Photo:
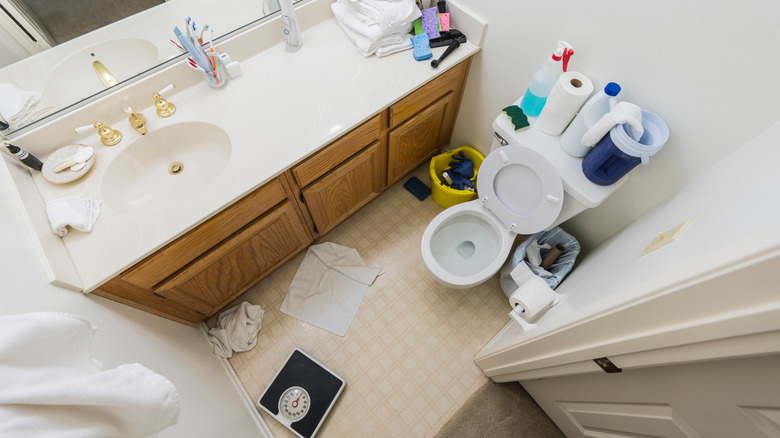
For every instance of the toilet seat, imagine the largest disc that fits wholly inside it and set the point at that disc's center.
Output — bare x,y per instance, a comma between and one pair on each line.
521,188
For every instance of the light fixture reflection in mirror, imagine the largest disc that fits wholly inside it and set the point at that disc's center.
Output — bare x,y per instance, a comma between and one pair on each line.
41,51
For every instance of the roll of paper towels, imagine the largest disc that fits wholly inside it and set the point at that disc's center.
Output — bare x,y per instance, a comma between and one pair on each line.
567,96
533,296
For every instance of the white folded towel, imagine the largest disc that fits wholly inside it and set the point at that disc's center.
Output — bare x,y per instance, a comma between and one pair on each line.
388,49
623,112
236,329
16,104
370,38
50,386
388,14
80,212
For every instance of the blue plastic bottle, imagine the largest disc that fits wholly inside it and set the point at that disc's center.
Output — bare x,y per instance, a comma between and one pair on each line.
544,80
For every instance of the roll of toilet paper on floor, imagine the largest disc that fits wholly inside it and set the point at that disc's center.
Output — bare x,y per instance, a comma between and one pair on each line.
533,296
567,96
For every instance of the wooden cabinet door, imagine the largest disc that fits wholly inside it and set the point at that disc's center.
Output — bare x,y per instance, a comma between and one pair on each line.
350,186
419,138
222,274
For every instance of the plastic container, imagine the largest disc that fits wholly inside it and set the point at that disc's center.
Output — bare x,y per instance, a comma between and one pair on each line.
617,153
590,113
443,195
544,79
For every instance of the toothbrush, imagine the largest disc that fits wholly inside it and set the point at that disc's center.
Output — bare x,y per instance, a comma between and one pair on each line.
292,32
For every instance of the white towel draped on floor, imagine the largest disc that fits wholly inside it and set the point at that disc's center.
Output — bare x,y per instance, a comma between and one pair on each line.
50,385
328,287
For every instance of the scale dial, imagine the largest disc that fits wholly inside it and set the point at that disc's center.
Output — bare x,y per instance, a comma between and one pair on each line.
294,403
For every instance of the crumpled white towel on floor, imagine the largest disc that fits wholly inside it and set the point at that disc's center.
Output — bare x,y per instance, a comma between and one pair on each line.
328,287
51,386
236,329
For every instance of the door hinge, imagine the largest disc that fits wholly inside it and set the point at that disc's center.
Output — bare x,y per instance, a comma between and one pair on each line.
607,365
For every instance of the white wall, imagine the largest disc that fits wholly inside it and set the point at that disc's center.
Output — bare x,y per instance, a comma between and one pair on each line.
706,67
732,200
211,406
10,50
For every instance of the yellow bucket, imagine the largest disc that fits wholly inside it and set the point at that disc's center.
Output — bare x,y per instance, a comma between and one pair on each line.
446,196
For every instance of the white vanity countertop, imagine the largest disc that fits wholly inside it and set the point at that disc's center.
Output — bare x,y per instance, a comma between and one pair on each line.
284,107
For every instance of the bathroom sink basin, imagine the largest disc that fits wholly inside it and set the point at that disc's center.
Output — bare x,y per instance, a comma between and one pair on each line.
166,167
74,78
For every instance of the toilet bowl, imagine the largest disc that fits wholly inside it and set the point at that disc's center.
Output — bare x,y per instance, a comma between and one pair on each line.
528,185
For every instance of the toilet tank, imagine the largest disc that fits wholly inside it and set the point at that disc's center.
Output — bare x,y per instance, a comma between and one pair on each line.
579,192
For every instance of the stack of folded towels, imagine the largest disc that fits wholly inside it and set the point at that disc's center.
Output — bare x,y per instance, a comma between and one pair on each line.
16,105
378,27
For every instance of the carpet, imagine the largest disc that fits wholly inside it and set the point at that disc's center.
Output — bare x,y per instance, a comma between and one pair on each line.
500,410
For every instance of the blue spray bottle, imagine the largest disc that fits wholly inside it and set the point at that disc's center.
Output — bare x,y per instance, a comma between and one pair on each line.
544,80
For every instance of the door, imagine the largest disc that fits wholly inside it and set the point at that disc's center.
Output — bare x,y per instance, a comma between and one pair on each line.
718,399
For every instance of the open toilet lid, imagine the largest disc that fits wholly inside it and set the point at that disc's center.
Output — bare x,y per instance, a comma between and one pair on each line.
520,187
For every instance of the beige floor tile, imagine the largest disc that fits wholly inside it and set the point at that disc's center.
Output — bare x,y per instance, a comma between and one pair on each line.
408,355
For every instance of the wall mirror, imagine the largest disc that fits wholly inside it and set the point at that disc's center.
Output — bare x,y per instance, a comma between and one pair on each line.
48,48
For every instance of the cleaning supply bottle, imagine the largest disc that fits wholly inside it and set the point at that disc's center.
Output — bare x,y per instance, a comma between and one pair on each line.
544,79
590,113
25,157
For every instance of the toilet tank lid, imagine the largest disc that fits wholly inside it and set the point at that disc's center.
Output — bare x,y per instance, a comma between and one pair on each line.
569,168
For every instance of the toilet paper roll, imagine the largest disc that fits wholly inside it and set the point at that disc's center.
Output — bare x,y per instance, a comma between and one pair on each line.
533,296
567,96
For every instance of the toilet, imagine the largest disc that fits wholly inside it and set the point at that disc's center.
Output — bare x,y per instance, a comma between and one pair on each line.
526,184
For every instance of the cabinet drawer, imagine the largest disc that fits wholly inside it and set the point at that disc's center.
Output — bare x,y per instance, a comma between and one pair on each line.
177,254
342,192
338,151
221,275
451,81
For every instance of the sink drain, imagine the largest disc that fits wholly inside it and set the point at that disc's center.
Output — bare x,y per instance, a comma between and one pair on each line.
175,168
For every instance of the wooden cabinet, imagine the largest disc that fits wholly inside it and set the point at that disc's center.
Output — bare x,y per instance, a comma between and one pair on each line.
197,274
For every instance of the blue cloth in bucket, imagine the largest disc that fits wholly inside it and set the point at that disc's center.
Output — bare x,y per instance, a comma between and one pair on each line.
559,269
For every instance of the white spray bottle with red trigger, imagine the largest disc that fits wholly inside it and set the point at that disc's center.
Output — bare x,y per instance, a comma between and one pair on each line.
544,80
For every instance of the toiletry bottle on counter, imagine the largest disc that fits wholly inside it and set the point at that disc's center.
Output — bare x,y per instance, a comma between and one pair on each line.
544,79
590,113
25,157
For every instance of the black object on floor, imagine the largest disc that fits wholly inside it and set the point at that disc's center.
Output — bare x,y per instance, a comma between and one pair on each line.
301,394
417,188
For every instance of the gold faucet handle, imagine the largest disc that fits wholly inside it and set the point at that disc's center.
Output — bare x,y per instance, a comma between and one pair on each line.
164,108
108,136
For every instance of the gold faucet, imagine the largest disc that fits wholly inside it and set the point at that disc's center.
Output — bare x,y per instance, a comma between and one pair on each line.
137,120
108,136
105,76
164,108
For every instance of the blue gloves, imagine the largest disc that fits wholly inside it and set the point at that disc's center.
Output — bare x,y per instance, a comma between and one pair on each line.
460,172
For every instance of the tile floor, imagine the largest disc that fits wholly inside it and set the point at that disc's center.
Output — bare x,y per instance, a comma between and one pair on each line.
408,356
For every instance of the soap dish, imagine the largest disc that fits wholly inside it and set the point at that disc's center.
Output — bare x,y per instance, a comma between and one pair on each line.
67,175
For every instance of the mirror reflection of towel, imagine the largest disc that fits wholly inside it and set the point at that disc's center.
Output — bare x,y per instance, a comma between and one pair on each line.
328,287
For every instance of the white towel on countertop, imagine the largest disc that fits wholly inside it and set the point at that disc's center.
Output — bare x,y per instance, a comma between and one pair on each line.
623,112
388,13
389,49
369,38
236,329
16,104
80,212
51,386
328,287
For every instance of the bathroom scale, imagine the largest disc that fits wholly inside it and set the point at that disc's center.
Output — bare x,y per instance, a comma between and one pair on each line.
302,394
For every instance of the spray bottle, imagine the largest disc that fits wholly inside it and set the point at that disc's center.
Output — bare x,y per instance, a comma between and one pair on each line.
544,80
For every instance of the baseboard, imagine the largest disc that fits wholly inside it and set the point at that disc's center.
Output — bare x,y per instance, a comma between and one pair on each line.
262,427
